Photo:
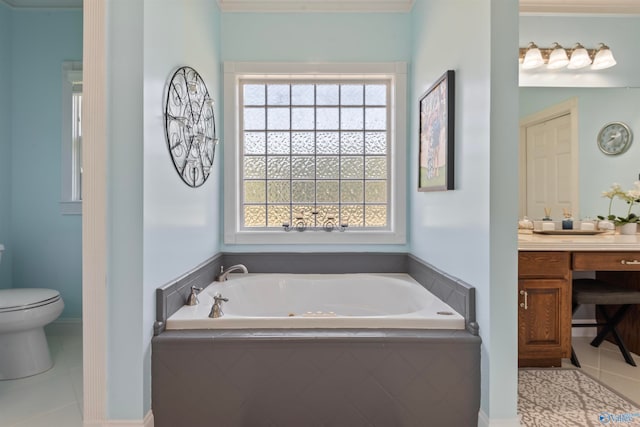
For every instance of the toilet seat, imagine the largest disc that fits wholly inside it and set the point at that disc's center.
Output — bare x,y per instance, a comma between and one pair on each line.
26,298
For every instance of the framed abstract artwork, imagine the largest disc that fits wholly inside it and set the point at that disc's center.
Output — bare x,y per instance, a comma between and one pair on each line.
436,144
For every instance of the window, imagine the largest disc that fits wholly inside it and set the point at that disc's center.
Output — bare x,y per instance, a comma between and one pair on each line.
71,138
315,151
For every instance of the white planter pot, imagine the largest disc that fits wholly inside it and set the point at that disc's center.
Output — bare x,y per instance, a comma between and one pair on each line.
630,228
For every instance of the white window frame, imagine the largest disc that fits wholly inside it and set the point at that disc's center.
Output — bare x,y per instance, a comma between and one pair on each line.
235,71
71,199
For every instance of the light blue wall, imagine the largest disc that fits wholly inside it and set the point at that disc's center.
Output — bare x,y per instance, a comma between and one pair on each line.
5,143
46,246
158,227
620,33
470,232
596,107
181,224
316,37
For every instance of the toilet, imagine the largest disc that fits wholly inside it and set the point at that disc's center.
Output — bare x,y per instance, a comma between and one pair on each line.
23,314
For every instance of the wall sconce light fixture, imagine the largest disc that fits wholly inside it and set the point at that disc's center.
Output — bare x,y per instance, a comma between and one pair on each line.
557,57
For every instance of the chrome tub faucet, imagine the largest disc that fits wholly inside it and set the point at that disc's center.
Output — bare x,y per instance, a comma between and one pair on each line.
224,274
216,310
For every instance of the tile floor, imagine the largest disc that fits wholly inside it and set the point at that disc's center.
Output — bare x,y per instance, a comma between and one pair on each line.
52,398
607,364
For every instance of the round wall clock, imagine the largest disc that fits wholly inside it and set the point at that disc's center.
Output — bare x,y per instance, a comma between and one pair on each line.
190,127
614,138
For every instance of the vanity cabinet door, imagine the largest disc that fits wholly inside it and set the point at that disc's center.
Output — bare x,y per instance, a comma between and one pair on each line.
544,308
543,336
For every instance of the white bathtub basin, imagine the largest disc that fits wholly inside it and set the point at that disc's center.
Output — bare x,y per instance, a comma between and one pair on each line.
261,301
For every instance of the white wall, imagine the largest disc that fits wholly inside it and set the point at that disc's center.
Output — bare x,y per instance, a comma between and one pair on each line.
158,228
470,232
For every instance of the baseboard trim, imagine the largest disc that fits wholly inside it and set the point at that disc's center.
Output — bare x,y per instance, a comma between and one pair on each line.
485,421
584,331
146,422
65,327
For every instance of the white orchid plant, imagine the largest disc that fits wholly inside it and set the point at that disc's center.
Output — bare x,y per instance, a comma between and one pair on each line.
630,197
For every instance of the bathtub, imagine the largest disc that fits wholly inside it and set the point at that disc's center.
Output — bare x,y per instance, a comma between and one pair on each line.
265,301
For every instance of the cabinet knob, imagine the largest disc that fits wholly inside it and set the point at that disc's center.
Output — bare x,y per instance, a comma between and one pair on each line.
524,304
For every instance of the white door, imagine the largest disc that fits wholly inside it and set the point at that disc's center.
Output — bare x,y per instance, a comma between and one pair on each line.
549,165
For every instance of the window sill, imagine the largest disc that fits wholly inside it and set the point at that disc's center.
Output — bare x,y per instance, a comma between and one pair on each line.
71,208
349,237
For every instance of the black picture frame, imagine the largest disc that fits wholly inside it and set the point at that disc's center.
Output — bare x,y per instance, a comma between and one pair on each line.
436,135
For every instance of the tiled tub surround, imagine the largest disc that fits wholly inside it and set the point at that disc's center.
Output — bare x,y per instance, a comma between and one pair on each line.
282,377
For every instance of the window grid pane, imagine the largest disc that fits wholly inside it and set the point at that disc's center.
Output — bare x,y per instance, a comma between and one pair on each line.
315,152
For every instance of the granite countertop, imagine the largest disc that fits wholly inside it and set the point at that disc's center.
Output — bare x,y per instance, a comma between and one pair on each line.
529,241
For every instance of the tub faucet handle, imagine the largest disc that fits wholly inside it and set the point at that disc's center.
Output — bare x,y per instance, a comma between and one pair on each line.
216,310
193,296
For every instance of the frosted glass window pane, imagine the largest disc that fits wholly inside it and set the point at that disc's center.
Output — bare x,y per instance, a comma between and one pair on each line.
327,142
375,142
254,167
327,192
327,167
375,167
352,143
254,119
352,215
351,118
376,216
327,94
302,118
254,142
278,215
302,94
278,118
303,143
253,95
254,216
351,192
278,192
327,118
375,118
303,167
302,191
278,94
328,213
351,95
375,95
278,167
315,147
254,191
376,192
352,168
278,142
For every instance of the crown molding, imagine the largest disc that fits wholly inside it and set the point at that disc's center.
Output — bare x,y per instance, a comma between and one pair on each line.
612,7
316,5
43,4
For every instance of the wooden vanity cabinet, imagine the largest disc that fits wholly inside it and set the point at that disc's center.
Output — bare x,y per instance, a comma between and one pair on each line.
544,308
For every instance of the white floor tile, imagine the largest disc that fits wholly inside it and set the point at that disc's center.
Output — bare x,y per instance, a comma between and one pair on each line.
46,396
67,416
607,364
52,398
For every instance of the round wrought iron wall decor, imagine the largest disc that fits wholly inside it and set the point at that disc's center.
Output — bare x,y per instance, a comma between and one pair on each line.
190,126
